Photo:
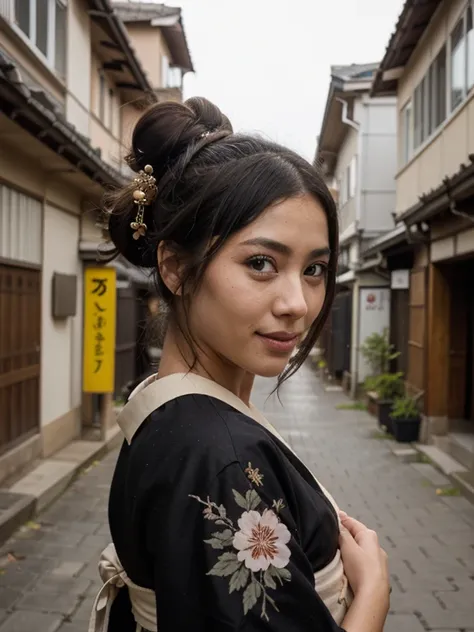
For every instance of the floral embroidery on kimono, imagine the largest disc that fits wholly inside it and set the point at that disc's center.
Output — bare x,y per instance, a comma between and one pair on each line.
257,553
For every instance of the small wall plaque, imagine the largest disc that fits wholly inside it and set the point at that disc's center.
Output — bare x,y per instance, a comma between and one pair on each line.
64,295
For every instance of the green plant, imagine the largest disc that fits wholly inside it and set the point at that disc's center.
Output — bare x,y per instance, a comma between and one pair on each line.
405,408
378,352
370,383
353,406
448,491
389,386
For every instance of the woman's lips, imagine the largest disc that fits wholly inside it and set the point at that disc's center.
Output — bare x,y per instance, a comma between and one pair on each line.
280,342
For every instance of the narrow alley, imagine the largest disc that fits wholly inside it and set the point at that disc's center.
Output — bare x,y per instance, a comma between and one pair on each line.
49,567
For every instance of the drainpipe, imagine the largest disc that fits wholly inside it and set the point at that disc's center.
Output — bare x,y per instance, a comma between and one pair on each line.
356,126
355,297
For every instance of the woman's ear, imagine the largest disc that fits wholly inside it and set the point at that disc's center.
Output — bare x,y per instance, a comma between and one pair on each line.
170,267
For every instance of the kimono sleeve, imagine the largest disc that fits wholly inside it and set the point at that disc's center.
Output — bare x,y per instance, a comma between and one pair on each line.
228,558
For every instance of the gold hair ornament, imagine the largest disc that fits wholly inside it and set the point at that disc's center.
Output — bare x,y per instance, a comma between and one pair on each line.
143,196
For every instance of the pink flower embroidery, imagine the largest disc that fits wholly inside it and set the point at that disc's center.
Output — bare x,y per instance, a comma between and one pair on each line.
261,541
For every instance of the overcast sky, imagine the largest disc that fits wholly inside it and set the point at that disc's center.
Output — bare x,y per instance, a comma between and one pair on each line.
266,63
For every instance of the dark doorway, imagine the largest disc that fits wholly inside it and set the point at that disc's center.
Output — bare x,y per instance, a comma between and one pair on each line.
470,358
340,339
399,329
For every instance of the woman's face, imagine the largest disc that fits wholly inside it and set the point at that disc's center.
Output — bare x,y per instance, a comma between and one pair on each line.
263,290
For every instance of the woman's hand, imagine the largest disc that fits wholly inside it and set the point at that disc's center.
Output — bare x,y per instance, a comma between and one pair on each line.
365,562
366,568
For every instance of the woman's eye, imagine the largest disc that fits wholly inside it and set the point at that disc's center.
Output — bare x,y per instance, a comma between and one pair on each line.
316,270
261,264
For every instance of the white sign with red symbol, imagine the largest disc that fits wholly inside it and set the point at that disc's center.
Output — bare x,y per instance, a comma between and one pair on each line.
374,317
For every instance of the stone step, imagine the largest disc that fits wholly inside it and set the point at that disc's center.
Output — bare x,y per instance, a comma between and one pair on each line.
461,448
47,480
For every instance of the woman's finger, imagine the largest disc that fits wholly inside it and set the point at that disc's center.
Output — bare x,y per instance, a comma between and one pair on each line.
346,542
353,526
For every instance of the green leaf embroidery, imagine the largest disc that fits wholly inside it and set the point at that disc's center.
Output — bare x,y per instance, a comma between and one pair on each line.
252,499
226,564
282,574
221,539
239,499
251,595
268,579
239,579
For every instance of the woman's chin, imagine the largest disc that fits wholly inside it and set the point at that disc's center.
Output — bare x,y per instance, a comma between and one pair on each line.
271,369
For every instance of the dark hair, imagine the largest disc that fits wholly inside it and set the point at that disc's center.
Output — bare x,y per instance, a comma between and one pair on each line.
211,183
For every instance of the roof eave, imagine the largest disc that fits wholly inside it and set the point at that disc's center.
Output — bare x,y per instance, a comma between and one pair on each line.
454,189
176,41
103,10
55,133
398,49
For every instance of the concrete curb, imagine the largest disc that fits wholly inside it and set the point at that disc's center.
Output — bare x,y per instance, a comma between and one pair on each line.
49,479
439,461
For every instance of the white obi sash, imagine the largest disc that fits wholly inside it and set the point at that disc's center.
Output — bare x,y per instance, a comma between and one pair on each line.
330,582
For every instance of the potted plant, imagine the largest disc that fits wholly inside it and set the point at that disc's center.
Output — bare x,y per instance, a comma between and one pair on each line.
378,353
370,388
406,419
388,387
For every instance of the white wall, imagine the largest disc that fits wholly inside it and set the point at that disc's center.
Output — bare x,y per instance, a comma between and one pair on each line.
60,339
349,148
374,317
78,66
379,164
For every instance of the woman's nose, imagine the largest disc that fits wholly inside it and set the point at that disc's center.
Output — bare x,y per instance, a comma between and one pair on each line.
291,300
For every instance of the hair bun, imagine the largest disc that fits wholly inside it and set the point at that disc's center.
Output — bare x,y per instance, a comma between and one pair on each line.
208,115
167,129
163,133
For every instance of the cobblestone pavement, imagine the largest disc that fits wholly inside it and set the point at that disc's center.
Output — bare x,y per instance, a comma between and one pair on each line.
429,538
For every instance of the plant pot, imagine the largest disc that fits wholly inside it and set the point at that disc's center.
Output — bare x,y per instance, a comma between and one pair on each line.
371,399
384,408
406,430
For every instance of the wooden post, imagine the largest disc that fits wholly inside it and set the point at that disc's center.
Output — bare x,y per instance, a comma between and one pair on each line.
437,367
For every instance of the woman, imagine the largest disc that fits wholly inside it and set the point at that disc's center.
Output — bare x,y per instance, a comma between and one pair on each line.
216,524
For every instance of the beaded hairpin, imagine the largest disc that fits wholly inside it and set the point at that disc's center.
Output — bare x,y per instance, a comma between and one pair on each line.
143,195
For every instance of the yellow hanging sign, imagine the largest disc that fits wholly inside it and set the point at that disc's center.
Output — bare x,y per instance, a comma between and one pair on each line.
100,300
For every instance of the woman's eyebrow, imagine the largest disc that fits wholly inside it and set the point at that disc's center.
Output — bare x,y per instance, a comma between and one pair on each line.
281,248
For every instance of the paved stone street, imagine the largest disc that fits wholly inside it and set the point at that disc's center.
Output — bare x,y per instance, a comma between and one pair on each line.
49,568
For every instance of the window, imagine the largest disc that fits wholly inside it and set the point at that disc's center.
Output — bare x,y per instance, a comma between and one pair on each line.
102,94
111,109
429,104
164,71
60,38
438,90
44,23
23,16
407,132
470,48
458,64
353,177
343,182
348,183
42,10
175,79
418,104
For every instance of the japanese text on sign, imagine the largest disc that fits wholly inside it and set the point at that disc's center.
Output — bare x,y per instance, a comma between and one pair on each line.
99,330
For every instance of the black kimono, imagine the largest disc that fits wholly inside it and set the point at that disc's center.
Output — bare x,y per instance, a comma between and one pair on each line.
219,518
